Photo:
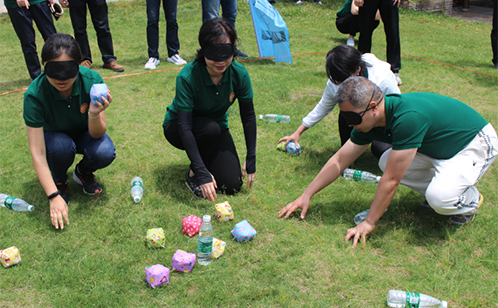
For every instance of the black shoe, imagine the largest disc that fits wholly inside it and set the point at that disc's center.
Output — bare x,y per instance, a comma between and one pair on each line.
192,185
63,189
240,54
90,185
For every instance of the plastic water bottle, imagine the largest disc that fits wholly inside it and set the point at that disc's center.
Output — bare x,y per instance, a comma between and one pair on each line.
275,118
358,175
15,204
137,189
205,245
360,217
397,298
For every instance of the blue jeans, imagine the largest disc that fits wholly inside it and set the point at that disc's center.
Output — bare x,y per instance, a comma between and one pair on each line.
61,149
172,42
211,10
22,20
99,14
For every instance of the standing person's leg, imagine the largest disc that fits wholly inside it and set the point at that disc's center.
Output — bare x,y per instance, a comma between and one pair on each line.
390,17
99,14
172,41
97,154
22,22
225,166
229,10
494,34
153,7
44,20
367,22
210,9
77,11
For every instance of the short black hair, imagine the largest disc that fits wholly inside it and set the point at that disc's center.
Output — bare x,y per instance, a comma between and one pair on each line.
59,43
343,61
215,31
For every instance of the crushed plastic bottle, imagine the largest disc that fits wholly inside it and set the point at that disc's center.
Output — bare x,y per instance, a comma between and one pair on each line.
400,299
275,118
359,175
15,204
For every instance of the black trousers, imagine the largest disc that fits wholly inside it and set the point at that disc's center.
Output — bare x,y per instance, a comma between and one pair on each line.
99,14
350,24
345,130
390,17
217,151
22,20
494,32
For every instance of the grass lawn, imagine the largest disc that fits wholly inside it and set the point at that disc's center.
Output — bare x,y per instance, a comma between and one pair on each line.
99,259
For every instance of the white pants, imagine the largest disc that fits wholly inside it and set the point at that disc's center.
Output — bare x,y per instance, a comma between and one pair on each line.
448,184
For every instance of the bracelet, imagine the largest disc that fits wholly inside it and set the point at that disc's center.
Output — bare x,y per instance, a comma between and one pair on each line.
93,117
55,194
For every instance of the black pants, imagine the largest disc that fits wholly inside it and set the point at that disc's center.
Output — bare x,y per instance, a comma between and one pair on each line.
22,20
350,24
99,14
494,32
217,151
377,147
390,17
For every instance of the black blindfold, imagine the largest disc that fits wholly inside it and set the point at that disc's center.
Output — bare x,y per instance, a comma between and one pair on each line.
218,52
62,70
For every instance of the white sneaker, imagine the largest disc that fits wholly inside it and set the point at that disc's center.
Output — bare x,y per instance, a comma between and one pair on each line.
152,63
398,80
350,42
176,59
299,2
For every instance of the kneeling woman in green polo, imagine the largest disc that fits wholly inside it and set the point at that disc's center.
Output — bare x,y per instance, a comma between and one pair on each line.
61,122
197,120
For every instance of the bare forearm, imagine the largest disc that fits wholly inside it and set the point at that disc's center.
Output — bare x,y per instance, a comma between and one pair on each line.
97,125
383,197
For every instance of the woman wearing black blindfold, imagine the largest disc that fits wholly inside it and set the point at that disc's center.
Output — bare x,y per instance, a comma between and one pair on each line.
62,122
343,62
197,120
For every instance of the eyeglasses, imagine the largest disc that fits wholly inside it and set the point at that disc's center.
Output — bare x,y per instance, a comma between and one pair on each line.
354,118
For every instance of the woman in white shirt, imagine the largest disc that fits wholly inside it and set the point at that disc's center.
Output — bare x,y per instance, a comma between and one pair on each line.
343,62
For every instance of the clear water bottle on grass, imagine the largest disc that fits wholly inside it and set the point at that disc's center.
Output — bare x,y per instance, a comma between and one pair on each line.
15,204
396,298
275,118
205,244
137,189
360,176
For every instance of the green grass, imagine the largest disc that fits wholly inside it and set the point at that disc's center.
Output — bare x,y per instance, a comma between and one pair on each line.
99,259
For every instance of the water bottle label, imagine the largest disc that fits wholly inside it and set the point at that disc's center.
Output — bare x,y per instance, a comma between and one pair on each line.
413,299
279,118
357,175
205,245
137,183
8,202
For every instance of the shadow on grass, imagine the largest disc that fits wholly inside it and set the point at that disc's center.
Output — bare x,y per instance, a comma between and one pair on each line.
16,84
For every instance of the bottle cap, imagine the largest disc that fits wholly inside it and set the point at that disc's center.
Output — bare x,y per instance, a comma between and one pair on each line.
137,199
444,304
206,218
261,117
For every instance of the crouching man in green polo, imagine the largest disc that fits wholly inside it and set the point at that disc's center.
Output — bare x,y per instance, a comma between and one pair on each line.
440,147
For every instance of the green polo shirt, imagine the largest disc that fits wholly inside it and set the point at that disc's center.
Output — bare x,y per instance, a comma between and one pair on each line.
45,107
437,125
196,92
345,9
12,4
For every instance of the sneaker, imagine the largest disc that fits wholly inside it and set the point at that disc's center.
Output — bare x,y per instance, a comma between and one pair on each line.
86,63
113,66
425,204
350,42
63,189
240,54
152,63
318,2
192,185
461,220
398,80
176,59
299,1
90,185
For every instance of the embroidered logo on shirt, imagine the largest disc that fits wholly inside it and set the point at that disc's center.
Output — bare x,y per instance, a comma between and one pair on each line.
232,97
84,108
